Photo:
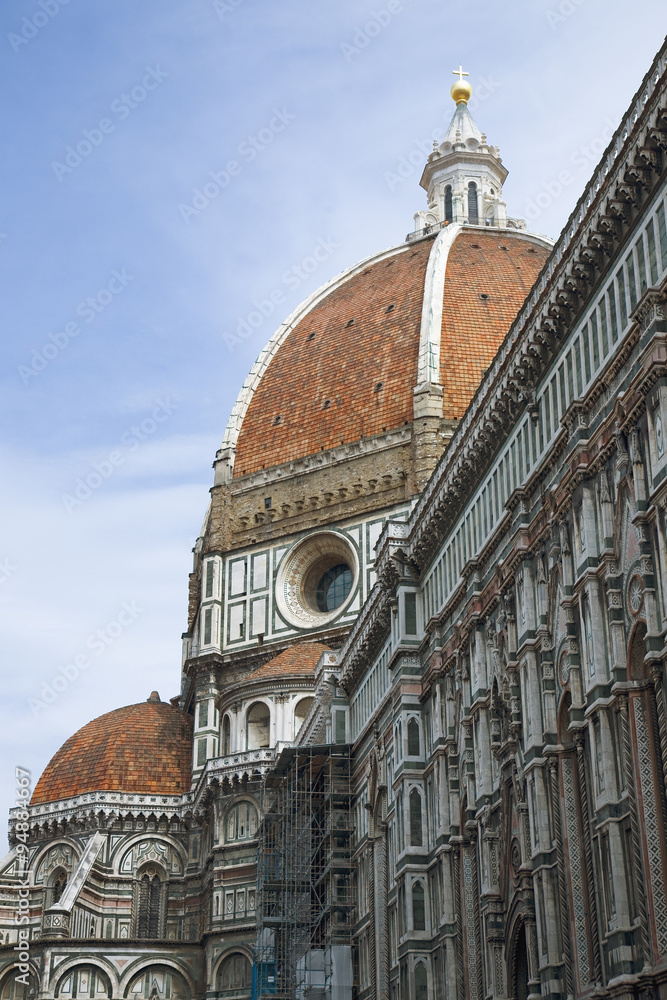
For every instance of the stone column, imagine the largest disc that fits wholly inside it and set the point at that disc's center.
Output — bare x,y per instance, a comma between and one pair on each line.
575,874
457,846
636,859
658,677
380,856
584,804
473,919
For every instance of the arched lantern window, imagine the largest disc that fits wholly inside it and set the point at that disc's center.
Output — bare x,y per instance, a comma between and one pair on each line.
473,210
449,211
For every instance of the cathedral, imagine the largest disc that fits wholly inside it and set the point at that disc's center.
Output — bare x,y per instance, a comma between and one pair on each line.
420,746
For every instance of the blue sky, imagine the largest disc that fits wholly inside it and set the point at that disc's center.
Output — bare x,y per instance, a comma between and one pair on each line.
123,288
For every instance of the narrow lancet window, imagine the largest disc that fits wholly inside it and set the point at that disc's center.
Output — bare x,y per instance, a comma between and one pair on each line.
473,211
449,214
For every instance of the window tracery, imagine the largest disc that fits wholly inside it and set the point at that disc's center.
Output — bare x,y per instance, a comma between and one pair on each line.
58,885
414,742
418,906
234,976
148,903
158,982
84,981
416,836
241,822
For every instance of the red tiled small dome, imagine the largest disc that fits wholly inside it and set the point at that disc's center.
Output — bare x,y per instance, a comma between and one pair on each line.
298,659
144,748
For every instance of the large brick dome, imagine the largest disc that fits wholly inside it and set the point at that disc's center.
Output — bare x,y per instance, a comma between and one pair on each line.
140,748
345,365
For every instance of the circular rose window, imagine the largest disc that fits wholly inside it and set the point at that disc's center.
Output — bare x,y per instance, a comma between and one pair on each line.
636,594
316,580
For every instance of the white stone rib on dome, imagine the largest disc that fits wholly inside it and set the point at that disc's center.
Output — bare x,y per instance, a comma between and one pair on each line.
430,333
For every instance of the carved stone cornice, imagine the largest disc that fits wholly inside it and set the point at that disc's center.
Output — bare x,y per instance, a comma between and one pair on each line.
322,460
233,769
651,309
98,810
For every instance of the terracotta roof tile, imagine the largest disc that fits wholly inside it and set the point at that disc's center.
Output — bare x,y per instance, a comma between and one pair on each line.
140,748
298,659
503,267
323,389
356,380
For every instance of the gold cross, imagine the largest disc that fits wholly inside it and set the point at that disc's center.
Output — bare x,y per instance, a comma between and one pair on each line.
460,73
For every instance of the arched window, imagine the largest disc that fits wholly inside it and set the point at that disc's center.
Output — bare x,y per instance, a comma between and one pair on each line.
241,822
588,633
520,970
158,982
564,720
421,982
226,735
148,903
413,738
84,981
301,711
449,213
13,990
473,211
415,818
636,653
58,885
418,907
257,726
234,976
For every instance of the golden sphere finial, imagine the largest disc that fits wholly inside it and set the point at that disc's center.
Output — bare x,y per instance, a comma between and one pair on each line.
461,89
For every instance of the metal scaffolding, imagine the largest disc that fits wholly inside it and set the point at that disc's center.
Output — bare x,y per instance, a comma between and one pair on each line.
304,877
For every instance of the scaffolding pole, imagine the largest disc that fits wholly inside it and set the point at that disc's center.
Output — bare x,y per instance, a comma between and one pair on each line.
305,877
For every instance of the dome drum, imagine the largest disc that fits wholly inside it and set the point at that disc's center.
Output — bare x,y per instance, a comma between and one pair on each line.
348,482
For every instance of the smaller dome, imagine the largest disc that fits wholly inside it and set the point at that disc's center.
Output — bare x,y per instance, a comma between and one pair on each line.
300,659
144,748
